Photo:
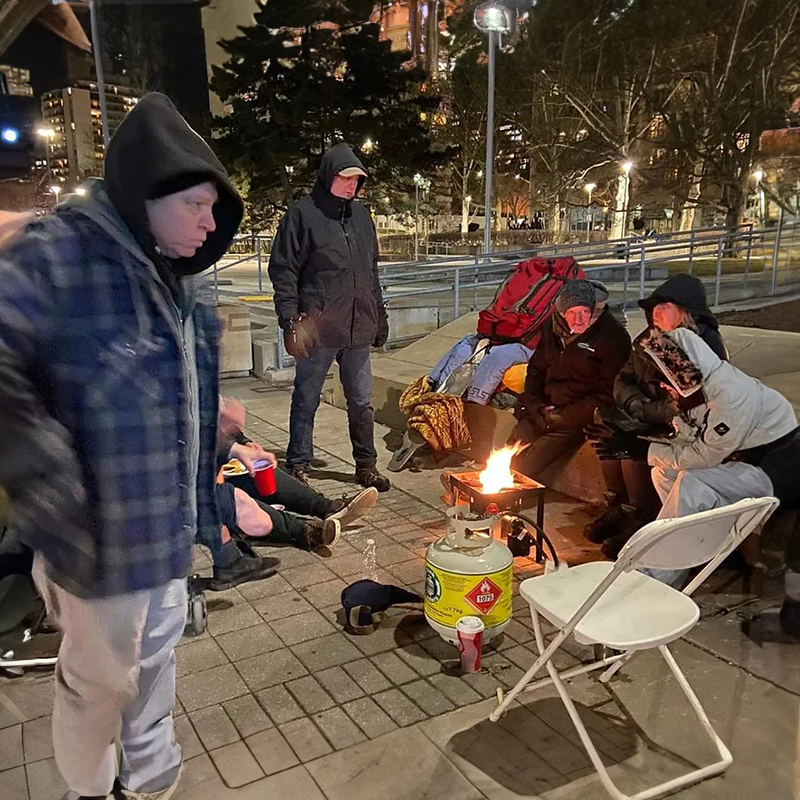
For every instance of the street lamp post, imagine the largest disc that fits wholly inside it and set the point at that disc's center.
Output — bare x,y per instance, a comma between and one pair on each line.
495,19
48,134
97,49
589,187
423,184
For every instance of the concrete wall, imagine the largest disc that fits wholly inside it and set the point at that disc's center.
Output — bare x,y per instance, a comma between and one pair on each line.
237,345
220,21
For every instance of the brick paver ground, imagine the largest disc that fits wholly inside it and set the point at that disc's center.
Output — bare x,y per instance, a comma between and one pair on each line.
275,699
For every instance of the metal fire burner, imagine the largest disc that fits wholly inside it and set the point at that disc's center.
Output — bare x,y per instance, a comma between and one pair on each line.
525,493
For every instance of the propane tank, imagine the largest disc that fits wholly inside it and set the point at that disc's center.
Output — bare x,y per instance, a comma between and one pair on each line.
468,572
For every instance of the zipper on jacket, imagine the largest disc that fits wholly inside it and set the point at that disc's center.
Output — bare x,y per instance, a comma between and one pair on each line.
342,218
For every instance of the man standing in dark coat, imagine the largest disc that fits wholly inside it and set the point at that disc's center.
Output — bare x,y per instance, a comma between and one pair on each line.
324,273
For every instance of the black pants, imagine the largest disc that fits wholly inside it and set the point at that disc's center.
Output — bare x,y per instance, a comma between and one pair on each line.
287,527
546,448
289,492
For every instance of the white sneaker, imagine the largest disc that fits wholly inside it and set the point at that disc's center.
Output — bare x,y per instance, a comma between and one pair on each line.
355,508
163,794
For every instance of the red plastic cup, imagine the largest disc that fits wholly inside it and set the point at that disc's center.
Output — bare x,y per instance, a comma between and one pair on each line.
469,631
265,478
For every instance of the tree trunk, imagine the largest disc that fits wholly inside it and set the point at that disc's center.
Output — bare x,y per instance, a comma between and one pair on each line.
620,209
689,208
464,215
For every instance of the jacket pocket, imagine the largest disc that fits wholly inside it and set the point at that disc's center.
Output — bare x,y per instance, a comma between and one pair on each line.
131,372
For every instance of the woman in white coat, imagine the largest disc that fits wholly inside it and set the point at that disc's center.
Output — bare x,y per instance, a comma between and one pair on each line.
735,438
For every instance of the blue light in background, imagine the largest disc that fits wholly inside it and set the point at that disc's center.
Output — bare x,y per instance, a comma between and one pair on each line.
9,135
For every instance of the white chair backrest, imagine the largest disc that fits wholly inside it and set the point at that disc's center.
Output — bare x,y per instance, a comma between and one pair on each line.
696,539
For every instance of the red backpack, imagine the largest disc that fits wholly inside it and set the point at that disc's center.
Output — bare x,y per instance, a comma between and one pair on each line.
525,301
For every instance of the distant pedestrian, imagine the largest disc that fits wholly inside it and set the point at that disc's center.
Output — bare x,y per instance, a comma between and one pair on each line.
324,272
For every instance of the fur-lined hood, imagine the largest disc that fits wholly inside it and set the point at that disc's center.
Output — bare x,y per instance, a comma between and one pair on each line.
681,356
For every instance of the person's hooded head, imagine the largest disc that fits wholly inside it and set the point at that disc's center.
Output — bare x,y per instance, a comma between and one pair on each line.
680,302
170,188
579,303
684,360
341,174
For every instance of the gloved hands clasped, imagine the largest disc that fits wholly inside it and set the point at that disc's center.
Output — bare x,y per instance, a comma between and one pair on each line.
621,446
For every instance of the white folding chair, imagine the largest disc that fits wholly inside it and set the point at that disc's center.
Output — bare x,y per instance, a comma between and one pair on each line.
617,606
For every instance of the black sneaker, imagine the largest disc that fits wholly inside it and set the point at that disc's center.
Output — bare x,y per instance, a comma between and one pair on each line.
245,568
299,473
790,617
370,477
321,532
349,509
631,521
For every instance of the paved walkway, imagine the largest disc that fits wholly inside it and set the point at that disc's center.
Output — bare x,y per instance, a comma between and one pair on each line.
275,700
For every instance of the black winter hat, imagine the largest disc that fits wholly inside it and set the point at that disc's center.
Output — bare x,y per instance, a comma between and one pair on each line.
685,291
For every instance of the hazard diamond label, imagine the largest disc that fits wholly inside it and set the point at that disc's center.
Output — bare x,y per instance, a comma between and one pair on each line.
484,595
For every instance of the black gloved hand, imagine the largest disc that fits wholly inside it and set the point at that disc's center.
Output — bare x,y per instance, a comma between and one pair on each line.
382,336
621,446
298,337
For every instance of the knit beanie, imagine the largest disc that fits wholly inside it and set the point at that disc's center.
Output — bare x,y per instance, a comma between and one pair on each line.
576,293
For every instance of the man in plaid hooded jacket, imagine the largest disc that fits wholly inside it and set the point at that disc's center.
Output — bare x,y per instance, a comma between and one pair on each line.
108,411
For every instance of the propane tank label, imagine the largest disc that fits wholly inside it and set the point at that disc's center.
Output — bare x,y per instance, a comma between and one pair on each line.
451,595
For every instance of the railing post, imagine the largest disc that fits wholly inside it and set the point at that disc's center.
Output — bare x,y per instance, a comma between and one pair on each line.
749,254
718,281
625,286
776,252
789,251
258,260
691,252
456,291
216,283
642,265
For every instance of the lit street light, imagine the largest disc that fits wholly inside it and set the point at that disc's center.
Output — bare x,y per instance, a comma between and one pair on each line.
495,19
589,188
48,134
56,190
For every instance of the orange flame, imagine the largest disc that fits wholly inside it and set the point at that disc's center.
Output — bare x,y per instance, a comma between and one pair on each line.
498,475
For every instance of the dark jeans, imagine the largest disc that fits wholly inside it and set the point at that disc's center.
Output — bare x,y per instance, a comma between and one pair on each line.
546,448
287,528
356,377
297,497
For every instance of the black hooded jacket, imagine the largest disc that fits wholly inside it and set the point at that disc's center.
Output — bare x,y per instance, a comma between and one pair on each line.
154,153
324,262
637,390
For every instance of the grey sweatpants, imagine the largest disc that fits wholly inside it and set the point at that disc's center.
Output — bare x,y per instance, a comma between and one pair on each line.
687,491
115,677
